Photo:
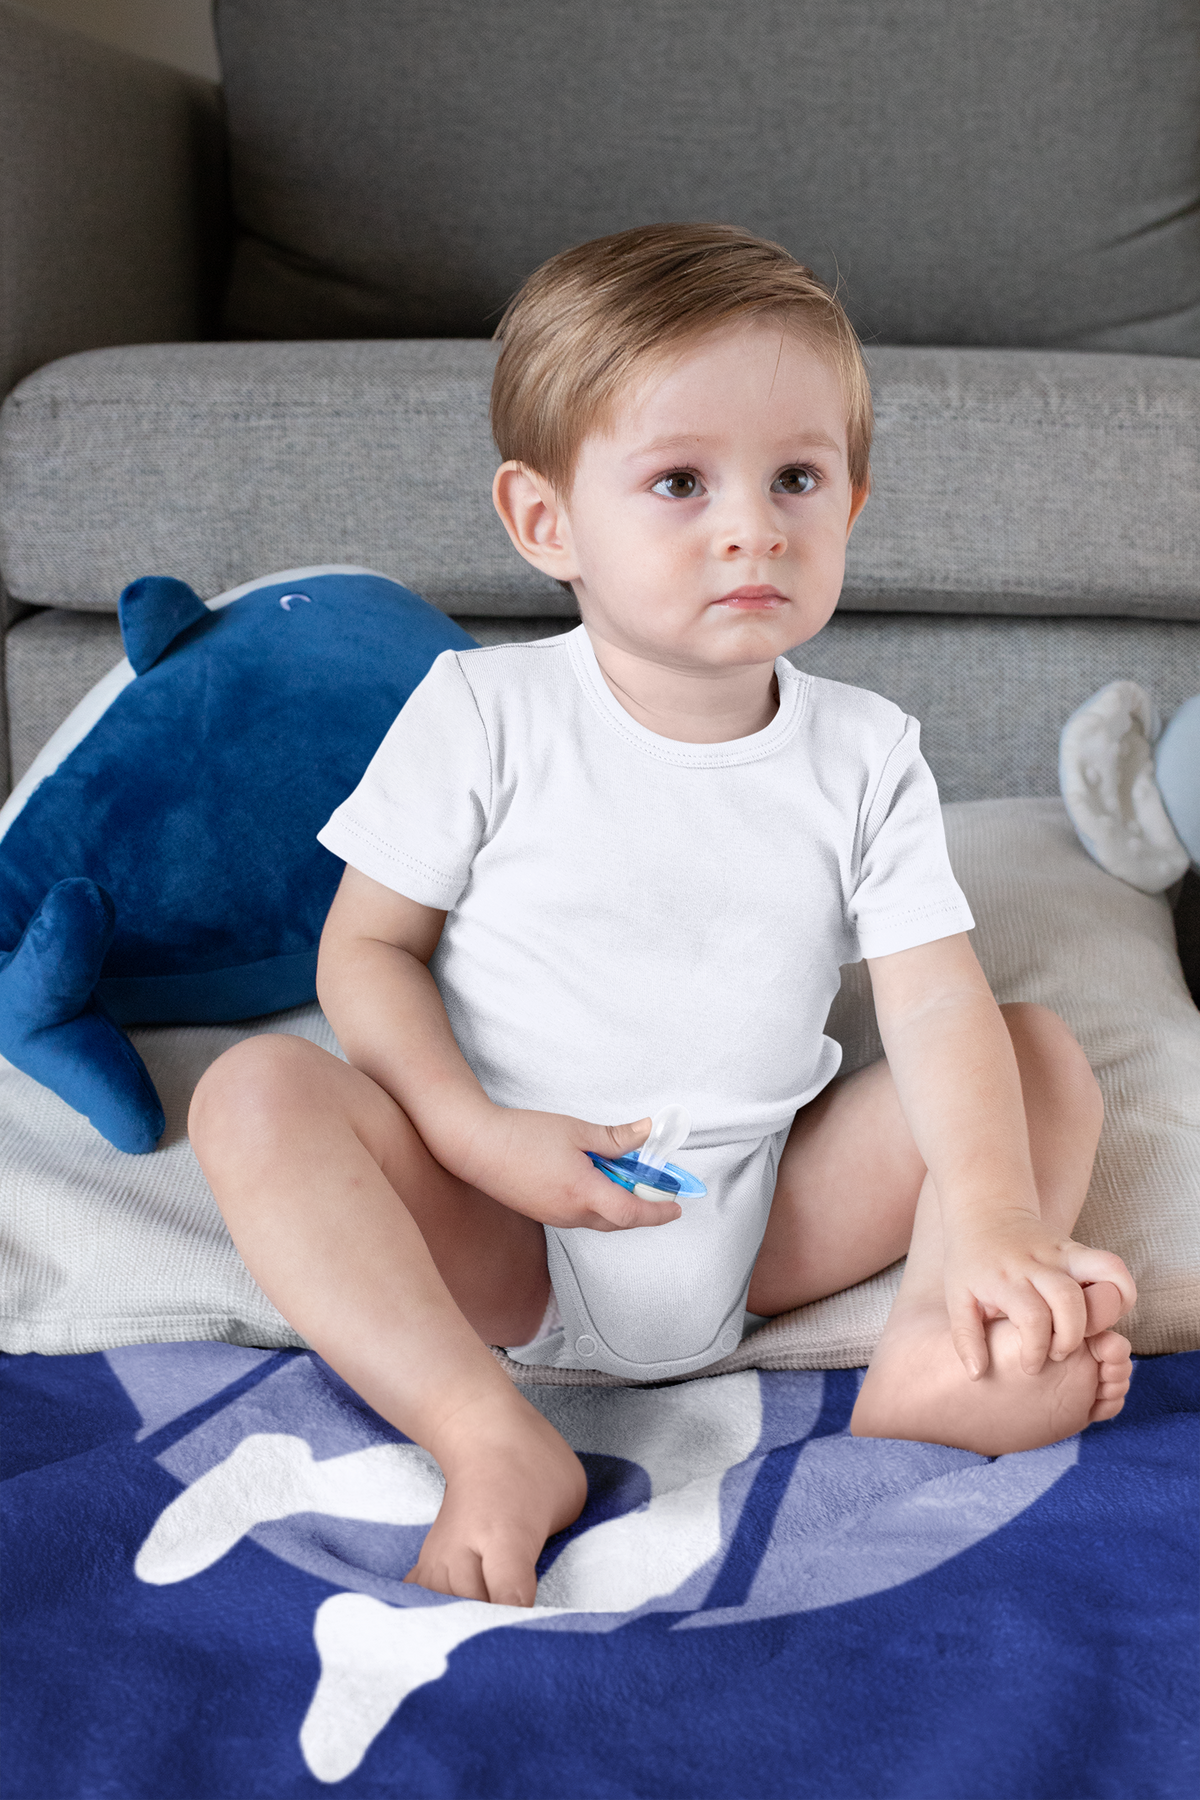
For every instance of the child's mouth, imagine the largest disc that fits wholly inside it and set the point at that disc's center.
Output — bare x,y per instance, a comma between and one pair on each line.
754,599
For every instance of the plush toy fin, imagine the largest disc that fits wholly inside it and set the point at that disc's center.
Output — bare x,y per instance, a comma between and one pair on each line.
52,1028
153,612
1107,776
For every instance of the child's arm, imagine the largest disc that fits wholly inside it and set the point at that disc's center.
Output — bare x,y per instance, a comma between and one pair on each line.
387,1013
956,1076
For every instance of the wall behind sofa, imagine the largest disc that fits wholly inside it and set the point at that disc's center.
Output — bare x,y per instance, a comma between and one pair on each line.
177,32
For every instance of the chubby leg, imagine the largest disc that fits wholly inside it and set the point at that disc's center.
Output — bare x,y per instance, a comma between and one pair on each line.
853,1195
399,1275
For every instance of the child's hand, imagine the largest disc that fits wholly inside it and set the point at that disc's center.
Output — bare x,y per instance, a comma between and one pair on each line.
1011,1267
536,1163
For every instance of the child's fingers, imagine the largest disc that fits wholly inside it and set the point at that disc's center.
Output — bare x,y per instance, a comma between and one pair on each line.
1035,1322
968,1336
1068,1311
623,1210
615,1140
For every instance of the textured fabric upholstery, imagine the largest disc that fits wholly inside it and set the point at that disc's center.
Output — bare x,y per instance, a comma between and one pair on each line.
1036,482
1033,482
991,694
219,462
1006,172
103,1249
111,197
52,659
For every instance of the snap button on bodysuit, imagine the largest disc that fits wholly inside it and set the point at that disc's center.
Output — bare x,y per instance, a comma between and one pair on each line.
585,1345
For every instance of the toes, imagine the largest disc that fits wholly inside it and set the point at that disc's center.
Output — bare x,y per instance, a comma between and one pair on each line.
426,1576
510,1581
503,1576
1105,1409
1110,1346
460,1575
1104,1306
466,1577
1114,1373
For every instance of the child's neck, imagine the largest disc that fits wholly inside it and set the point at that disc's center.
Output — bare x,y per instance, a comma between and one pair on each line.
693,706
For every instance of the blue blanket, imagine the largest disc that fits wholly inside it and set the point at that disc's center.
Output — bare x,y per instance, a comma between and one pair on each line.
205,1546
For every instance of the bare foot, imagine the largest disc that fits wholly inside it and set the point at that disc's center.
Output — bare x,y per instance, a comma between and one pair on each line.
916,1387
1109,1348
1114,1371
511,1481
1103,1302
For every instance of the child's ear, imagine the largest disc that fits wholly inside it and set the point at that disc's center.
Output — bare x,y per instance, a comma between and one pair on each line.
535,519
858,499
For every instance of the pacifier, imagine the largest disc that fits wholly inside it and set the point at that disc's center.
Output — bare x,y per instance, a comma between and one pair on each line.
647,1172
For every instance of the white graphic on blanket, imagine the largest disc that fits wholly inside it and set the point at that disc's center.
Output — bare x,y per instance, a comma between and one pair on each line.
687,1439
373,1655
857,1517
273,1476
372,1658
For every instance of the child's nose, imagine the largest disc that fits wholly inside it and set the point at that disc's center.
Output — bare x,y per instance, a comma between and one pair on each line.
751,527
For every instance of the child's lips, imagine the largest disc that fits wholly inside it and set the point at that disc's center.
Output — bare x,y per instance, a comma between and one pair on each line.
754,599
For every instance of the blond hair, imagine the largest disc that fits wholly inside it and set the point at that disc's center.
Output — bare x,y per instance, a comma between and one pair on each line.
591,319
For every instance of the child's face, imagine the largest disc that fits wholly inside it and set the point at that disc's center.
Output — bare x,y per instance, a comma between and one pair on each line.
707,528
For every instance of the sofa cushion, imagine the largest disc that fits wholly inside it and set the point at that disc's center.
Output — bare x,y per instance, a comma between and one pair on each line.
1034,482
1005,172
101,1249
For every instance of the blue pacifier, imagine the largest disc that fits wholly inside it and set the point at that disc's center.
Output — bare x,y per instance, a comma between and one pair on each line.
646,1172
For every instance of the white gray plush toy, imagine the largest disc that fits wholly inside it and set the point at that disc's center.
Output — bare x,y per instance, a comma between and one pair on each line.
1132,788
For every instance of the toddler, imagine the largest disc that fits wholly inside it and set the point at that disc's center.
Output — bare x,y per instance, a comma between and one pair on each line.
593,874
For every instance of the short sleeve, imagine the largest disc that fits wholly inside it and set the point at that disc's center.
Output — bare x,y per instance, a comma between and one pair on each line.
906,893
417,817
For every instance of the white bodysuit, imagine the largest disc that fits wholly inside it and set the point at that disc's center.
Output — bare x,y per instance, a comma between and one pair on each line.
633,921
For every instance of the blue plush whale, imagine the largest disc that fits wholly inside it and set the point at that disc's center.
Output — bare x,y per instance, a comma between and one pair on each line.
159,860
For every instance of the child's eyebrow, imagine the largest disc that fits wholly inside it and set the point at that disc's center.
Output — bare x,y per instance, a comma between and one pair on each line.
815,440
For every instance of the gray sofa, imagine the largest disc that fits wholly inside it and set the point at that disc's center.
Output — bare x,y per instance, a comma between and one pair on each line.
1007,193
247,331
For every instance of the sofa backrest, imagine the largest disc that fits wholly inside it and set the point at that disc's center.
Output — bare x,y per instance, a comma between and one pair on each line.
973,172
1029,482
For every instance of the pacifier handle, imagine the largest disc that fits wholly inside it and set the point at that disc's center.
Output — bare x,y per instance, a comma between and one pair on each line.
668,1131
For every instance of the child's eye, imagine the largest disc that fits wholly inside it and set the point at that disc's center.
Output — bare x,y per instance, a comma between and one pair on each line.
681,484
794,481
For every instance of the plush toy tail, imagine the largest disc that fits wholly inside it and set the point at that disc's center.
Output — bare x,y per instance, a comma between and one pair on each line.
52,1028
